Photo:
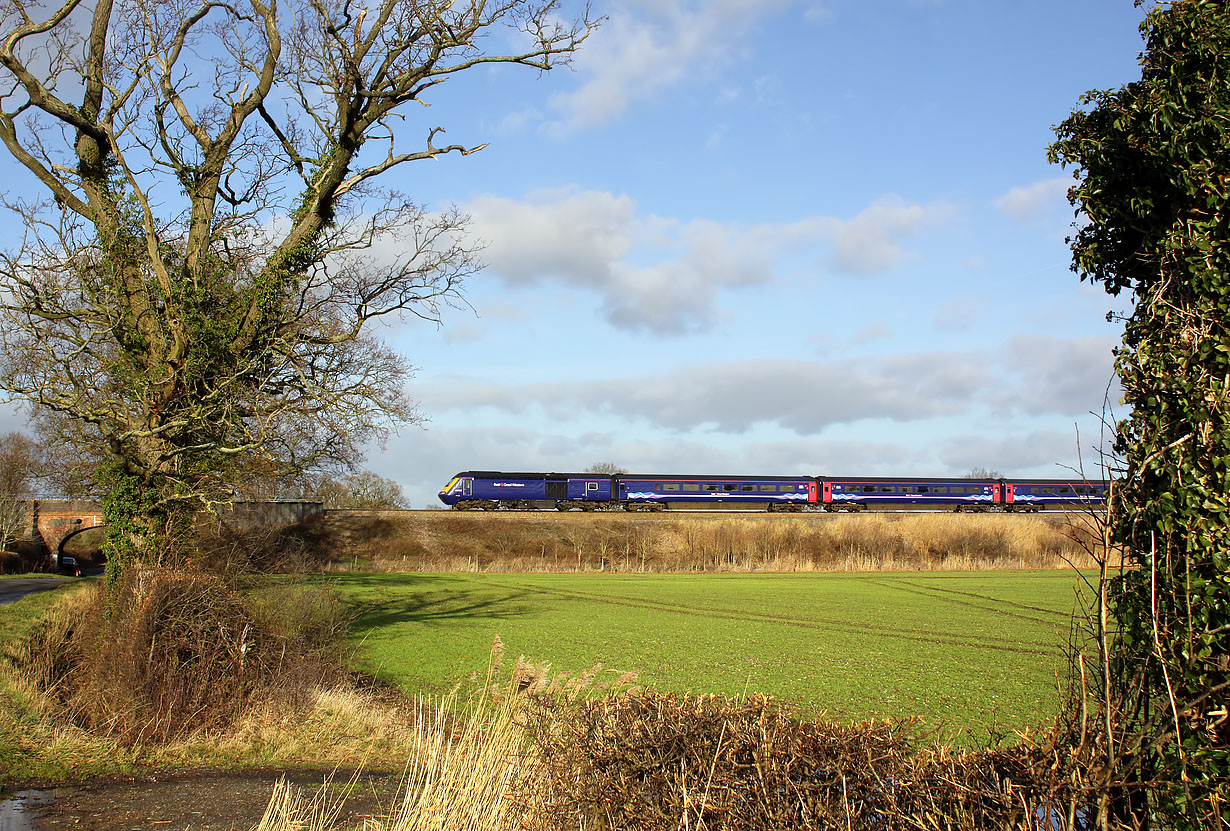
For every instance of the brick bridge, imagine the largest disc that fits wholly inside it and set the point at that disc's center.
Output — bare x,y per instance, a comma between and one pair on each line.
50,522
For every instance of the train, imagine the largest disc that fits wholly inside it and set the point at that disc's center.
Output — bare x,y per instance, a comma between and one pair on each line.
488,490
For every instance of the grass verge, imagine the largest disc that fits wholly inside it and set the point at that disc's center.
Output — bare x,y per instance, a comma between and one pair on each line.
47,732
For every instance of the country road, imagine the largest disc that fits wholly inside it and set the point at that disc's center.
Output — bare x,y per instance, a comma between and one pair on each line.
19,587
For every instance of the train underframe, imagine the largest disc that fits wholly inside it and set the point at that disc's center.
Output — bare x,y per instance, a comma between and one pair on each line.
774,507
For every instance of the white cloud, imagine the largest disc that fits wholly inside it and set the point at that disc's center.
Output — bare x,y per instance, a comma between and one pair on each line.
1028,376
871,241
1012,451
666,275
13,416
563,235
820,11
1069,376
646,48
1032,201
804,397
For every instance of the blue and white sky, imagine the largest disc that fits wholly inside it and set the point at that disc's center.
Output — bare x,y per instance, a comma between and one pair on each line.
770,237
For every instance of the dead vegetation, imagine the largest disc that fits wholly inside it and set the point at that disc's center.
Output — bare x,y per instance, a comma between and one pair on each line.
540,755
439,542
174,654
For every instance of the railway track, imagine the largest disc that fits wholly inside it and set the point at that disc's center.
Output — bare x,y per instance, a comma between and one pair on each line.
656,516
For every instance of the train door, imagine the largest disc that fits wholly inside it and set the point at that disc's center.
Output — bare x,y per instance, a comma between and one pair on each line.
467,487
826,493
1009,493
996,495
811,492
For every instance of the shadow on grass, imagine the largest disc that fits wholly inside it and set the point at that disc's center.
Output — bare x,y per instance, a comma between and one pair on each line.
416,599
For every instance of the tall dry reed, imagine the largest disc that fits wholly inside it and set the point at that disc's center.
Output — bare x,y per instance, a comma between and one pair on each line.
709,543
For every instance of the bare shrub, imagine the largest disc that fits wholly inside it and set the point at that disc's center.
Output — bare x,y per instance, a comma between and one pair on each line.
177,653
294,548
643,762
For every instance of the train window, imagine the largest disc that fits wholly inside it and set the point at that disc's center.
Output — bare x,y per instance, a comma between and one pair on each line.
670,487
869,488
591,486
1048,490
939,490
1063,490
729,488
768,488
924,489
691,487
711,487
748,488
886,489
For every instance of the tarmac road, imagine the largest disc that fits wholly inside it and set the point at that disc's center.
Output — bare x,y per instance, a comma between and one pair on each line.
19,587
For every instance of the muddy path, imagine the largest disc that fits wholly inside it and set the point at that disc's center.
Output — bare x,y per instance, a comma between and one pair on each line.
202,801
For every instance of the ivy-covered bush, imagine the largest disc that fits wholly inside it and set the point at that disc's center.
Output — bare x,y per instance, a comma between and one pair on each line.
1153,166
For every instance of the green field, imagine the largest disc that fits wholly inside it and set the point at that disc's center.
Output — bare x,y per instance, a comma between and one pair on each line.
960,649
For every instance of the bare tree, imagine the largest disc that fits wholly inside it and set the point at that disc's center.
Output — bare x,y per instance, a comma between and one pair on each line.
361,491
982,473
606,469
19,465
197,284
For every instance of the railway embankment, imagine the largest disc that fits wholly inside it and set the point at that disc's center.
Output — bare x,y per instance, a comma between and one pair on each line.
705,541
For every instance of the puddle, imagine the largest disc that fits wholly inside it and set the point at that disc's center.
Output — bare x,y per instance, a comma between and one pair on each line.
17,808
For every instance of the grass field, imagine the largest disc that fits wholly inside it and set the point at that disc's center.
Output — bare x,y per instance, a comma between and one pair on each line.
965,650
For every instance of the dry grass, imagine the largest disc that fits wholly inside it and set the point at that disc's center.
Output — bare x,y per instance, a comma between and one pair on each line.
466,771
337,726
528,543
470,765
186,671
644,762
533,753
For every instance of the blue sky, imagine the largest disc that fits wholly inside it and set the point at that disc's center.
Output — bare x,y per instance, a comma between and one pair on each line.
763,236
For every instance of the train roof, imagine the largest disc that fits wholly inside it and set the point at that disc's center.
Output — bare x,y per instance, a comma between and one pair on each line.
716,477
504,474
727,477
958,480
709,477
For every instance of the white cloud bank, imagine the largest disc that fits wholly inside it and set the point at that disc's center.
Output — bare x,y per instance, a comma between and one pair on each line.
1025,376
665,275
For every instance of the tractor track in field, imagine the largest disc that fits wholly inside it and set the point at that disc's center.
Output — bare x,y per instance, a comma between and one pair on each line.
1042,610
1043,616
818,624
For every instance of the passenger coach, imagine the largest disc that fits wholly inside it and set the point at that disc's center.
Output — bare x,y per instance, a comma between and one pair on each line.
774,493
